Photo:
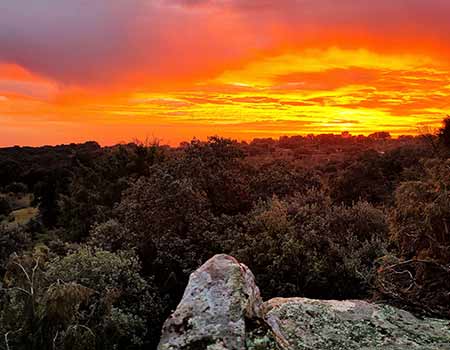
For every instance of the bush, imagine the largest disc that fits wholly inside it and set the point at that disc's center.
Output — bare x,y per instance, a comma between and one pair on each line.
308,246
418,275
281,178
12,240
420,220
371,178
125,309
90,299
112,236
16,187
5,206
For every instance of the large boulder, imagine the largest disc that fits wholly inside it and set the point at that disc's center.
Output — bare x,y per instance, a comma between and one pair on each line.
222,310
221,295
299,323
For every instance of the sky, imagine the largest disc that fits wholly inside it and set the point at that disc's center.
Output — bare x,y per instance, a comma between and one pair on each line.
118,70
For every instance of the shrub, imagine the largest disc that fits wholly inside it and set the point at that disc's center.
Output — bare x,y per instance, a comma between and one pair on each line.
16,187
372,178
281,178
12,240
420,221
90,299
308,246
120,296
112,236
5,206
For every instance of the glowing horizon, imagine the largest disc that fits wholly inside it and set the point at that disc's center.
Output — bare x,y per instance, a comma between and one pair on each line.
174,69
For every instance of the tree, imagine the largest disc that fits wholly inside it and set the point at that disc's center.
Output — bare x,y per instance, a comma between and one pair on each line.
444,133
281,178
380,135
98,183
171,220
46,196
215,167
372,177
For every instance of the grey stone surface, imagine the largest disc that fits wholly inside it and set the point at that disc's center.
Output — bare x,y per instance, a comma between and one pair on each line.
222,310
300,323
220,296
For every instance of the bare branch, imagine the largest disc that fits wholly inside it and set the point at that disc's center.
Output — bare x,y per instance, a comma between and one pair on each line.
54,340
33,274
6,340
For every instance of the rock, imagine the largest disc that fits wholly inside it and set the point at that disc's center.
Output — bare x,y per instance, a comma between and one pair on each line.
212,314
299,323
222,310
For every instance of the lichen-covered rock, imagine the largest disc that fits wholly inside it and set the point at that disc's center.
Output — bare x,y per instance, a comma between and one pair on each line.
261,338
212,314
222,310
299,323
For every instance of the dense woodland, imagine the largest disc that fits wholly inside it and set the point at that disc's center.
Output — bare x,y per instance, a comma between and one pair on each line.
97,244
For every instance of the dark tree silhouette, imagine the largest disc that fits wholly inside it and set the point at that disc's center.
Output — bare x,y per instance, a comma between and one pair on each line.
444,133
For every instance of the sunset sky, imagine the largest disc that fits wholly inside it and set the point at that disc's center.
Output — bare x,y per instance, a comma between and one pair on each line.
115,70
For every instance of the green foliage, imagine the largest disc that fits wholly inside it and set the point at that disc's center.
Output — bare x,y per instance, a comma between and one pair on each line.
371,178
12,240
281,178
90,299
420,221
5,207
83,205
116,282
171,221
112,236
16,187
308,246
215,168
98,184
46,198
418,275
20,312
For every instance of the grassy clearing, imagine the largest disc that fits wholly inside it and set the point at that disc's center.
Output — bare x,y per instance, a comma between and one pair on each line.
21,216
